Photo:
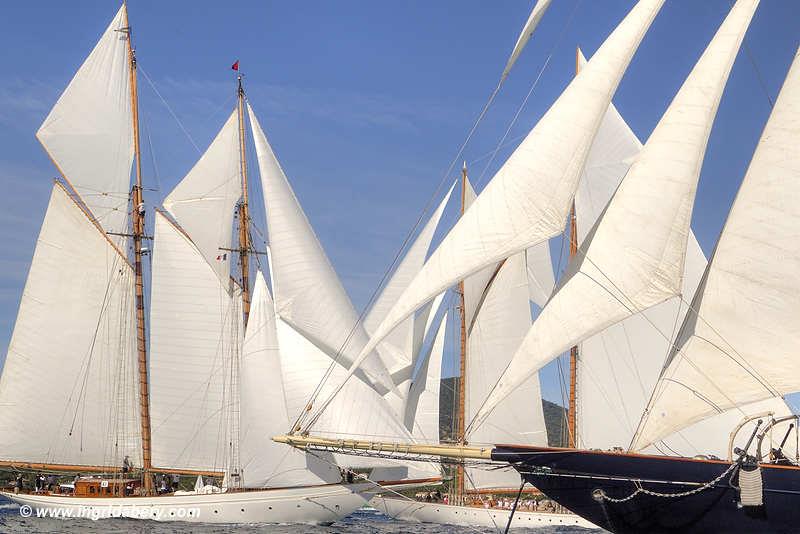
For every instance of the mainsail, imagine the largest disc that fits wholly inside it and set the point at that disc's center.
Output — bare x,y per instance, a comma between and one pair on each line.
75,333
89,133
527,201
646,222
194,345
739,344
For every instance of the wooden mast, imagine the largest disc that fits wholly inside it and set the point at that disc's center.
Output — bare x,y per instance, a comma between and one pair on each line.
573,352
138,234
462,380
244,213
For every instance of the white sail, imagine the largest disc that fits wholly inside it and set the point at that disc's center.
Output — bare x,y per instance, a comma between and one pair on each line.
501,323
89,132
263,408
308,293
403,339
711,436
619,366
203,202
541,278
646,223
422,408
740,342
195,325
527,201
69,389
536,15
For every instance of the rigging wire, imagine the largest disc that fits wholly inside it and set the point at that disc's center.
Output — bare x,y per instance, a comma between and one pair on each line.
169,108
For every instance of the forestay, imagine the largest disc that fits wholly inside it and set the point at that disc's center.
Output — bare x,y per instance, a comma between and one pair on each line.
263,408
634,256
308,293
194,350
203,202
527,201
741,341
89,132
74,335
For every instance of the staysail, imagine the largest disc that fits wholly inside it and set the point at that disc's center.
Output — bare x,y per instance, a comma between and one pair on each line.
203,202
646,222
501,322
75,333
527,201
89,132
740,342
407,337
309,294
263,408
422,407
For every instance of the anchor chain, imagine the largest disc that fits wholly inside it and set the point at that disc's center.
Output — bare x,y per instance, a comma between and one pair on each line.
601,495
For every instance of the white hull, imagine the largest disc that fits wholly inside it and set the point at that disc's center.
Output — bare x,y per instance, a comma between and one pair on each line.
428,512
311,505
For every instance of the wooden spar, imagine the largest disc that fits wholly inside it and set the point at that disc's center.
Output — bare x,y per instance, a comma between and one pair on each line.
244,213
443,451
573,352
70,468
138,234
462,379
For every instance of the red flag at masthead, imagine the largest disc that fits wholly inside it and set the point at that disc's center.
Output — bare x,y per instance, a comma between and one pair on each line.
235,66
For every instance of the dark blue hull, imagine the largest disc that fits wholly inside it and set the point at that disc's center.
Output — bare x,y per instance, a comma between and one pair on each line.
573,478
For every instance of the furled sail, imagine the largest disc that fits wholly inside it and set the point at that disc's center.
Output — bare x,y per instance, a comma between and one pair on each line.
499,327
203,202
740,342
536,15
308,293
646,223
405,343
69,388
527,201
89,132
194,348
263,408
422,407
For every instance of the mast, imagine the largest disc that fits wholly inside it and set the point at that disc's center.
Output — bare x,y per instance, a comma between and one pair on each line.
462,380
244,214
573,352
138,213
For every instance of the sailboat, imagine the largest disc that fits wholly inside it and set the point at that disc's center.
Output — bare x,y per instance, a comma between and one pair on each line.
84,388
494,315
732,355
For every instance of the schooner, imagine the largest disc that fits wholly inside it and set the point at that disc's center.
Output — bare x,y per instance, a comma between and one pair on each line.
731,355
196,383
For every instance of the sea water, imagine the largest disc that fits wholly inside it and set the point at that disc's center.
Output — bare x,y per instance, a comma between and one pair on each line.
365,521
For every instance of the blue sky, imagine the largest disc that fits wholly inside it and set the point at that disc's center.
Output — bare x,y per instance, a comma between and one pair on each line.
365,102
